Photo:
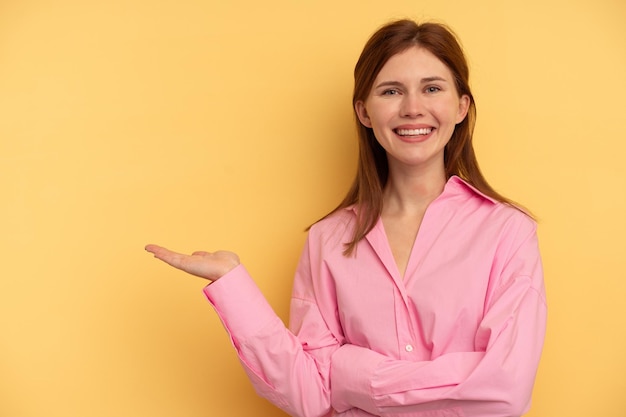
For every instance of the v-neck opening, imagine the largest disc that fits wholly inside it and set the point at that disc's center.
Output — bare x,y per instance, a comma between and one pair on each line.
401,273
385,252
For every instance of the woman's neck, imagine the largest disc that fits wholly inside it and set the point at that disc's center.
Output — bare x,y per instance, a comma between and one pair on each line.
410,191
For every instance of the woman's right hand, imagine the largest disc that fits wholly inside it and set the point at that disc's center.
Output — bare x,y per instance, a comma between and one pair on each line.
207,265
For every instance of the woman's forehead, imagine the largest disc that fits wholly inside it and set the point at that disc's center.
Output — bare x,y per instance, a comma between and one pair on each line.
415,61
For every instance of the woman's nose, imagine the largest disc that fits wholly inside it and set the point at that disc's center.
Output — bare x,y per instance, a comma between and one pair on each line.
411,106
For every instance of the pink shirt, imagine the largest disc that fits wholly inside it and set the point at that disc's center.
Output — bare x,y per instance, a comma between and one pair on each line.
460,335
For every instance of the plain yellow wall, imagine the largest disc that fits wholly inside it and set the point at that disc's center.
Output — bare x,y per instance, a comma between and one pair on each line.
214,124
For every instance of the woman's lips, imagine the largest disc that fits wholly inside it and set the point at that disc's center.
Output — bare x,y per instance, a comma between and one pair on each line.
414,134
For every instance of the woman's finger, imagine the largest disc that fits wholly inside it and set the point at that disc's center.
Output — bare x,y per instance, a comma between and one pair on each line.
177,260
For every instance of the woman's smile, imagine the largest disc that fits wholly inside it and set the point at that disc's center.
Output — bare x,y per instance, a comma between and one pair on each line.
413,134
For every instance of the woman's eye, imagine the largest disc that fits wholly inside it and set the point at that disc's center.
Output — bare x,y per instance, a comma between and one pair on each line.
432,89
390,92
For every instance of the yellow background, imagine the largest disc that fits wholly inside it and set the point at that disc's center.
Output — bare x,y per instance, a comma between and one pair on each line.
210,124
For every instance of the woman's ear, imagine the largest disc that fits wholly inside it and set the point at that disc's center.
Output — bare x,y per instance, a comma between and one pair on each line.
361,112
464,102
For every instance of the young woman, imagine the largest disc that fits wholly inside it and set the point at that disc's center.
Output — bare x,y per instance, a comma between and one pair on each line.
422,293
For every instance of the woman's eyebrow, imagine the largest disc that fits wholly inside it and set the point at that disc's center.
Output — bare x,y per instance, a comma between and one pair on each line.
433,78
389,84
424,80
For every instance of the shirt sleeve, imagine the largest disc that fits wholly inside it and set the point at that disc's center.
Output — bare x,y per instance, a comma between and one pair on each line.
494,380
289,368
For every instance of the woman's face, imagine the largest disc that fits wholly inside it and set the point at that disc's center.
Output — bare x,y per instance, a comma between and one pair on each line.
413,108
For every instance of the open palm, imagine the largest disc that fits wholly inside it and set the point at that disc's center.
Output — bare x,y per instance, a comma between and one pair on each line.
207,265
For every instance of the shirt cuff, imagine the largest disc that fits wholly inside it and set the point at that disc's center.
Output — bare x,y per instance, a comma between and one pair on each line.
351,375
238,301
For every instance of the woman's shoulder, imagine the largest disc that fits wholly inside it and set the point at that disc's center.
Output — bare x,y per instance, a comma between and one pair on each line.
495,210
336,227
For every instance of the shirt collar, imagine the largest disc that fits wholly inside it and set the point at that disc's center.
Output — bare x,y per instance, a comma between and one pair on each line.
460,184
454,185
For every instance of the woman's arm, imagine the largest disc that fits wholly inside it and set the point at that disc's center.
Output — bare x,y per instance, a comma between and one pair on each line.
290,370
494,380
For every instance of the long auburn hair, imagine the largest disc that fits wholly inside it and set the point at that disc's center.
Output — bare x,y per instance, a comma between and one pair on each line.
366,191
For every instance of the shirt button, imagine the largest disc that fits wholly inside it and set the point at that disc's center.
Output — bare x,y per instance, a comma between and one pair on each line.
408,348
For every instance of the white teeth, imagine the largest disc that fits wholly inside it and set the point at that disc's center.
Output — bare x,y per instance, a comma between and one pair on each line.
414,132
